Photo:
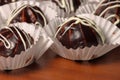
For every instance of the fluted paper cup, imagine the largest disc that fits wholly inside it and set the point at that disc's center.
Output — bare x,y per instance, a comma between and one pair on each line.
86,9
52,8
87,53
25,58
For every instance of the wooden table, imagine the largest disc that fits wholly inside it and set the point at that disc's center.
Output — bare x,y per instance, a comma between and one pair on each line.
51,67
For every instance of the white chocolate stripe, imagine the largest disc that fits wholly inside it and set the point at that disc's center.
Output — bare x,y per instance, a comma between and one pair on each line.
111,7
27,38
5,41
109,3
71,7
11,31
115,16
17,11
80,20
41,15
18,34
66,4
21,38
63,4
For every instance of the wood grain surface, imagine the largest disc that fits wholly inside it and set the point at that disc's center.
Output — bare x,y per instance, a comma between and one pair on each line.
52,67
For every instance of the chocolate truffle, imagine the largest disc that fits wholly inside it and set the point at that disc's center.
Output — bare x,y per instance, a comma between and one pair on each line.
109,9
79,32
2,2
68,5
14,40
29,14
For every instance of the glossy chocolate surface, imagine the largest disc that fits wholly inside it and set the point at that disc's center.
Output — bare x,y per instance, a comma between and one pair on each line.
29,14
68,5
13,41
109,9
2,2
73,33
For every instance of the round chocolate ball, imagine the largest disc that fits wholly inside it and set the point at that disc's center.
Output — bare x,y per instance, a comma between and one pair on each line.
29,14
79,32
109,9
14,40
2,2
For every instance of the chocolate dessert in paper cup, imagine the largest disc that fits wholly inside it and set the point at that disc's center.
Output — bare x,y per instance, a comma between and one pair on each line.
109,9
19,45
82,37
64,8
26,11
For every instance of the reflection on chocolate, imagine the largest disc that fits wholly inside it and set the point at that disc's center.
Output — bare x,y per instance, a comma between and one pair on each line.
29,14
110,9
13,41
2,2
68,5
79,32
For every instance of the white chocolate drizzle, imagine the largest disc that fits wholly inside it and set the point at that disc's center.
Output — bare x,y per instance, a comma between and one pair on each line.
84,21
110,5
19,9
66,4
8,44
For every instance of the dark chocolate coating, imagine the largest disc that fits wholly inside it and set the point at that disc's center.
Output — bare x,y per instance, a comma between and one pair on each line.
29,15
2,2
15,40
78,35
75,3
113,11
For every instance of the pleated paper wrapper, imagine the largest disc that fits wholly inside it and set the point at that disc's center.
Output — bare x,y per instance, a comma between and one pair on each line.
52,9
110,31
25,58
86,9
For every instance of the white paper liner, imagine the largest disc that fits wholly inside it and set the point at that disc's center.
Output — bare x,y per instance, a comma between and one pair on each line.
86,53
85,9
25,58
93,1
52,9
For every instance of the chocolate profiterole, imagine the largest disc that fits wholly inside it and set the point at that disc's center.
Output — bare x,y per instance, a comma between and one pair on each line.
13,41
79,32
29,14
2,2
68,5
109,9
